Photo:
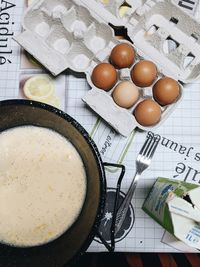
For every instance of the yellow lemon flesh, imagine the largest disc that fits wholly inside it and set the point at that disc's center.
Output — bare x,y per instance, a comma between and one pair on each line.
39,88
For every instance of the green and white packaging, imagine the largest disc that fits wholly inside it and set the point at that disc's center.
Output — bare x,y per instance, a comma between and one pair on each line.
176,206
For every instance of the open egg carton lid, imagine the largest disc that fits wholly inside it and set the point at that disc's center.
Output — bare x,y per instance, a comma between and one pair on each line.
160,31
164,33
63,34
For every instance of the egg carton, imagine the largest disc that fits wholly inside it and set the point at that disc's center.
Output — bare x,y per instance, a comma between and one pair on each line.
62,34
159,25
75,34
155,26
122,119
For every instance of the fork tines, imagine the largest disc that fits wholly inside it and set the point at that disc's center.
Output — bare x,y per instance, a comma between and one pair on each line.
150,144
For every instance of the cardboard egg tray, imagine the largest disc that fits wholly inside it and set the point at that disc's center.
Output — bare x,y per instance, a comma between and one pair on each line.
75,34
122,119
62,34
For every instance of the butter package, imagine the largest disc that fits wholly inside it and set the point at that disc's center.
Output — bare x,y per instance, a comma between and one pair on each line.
175,205
78,35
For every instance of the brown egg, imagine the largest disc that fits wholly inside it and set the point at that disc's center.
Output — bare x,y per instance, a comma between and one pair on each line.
144,73
122,56
147,112
104,76
166,91
125,94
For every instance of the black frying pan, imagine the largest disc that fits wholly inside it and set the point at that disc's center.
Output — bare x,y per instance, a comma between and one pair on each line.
77,239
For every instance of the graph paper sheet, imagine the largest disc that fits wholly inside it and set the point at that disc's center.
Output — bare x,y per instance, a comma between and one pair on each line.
179,147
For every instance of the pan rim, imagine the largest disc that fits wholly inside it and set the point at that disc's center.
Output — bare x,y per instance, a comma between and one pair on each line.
98,159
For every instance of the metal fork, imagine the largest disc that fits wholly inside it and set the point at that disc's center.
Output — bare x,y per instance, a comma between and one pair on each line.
142,162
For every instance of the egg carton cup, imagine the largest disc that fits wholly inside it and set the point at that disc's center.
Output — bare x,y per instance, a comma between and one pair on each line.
75,34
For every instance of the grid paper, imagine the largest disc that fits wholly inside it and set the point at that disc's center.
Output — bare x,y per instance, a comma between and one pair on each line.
182,127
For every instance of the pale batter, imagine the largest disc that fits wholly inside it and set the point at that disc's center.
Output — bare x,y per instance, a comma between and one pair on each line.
42,185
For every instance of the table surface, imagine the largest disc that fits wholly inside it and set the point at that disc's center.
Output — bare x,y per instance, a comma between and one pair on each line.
182,129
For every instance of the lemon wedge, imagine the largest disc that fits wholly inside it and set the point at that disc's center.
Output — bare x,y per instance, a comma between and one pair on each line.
39,88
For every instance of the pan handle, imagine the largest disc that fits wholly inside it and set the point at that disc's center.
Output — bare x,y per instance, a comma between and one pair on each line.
111,247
